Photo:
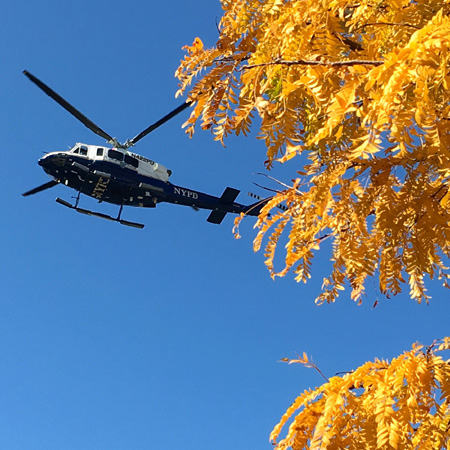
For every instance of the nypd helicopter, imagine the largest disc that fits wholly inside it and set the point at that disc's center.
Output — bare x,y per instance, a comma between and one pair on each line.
114,174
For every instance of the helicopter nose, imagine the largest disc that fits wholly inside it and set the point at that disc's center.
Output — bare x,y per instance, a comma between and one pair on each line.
51,159
44,161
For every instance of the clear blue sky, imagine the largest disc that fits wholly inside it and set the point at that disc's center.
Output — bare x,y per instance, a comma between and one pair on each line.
169,337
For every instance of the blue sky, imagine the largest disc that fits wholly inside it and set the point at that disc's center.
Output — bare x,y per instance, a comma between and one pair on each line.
168,337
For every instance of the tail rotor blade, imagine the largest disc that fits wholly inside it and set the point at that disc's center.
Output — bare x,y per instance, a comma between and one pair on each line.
68,107
43,187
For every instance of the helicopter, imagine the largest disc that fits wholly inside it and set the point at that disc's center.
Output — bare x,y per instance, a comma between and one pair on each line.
118,176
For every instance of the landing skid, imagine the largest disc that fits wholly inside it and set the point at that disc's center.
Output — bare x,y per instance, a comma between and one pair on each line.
101,215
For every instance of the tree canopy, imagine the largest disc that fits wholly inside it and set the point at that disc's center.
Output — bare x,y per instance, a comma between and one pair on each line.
402,404
357,92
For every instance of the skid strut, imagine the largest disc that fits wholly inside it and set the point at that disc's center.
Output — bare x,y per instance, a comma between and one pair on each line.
101,215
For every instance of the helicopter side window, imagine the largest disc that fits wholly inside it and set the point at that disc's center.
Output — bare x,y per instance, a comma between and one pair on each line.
99,152
77,150
83,150
114,154
131,161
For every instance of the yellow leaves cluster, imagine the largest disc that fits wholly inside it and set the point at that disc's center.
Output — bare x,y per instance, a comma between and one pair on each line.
360,91
402,404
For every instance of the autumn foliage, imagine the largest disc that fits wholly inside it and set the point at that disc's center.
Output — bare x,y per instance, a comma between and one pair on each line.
402,404
357,95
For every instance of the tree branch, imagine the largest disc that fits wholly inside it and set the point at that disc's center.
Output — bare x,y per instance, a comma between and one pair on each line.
378,24
304,62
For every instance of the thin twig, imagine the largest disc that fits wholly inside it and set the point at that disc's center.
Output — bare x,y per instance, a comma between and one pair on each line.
266,188
274,179
321,373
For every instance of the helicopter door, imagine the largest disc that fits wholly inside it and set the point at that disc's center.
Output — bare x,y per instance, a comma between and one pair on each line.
115,156
130,161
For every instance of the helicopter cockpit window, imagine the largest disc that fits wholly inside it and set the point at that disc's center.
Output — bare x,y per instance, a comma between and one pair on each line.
83,150
131,161
77,150
99,152
114,154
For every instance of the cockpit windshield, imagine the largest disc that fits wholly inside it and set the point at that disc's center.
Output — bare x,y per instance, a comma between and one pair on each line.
80,150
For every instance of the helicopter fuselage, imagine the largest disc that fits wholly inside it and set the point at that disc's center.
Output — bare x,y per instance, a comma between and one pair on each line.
127,179
119,176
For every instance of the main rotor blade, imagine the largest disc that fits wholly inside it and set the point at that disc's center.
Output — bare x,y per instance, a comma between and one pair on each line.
68,107
43,187
158,123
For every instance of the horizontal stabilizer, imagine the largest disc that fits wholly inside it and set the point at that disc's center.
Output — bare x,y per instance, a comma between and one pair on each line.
216,216
229,195
227,198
